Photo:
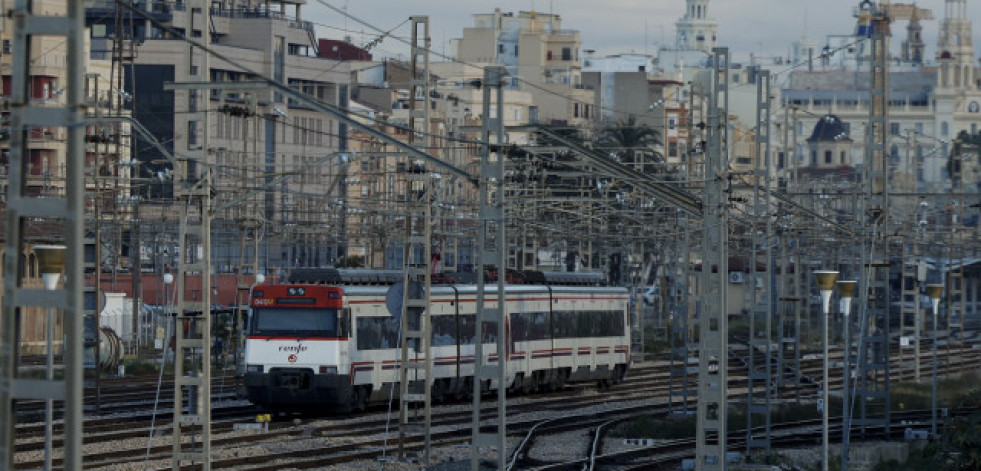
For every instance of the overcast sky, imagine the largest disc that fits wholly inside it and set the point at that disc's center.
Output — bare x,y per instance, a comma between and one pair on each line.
762,27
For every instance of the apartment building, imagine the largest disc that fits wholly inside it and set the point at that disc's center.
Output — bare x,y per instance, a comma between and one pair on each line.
540,57
107,144
275,159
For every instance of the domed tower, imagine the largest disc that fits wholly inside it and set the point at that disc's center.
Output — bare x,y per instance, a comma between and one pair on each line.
829,150
696,32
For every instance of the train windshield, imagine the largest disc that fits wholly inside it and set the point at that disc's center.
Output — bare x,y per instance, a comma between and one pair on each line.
320,322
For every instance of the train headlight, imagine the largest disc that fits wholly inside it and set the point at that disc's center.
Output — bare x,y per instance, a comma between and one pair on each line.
328,370
253,368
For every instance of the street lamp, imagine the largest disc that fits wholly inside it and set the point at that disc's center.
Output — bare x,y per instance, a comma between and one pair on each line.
935,291
51,259
826,284
846,289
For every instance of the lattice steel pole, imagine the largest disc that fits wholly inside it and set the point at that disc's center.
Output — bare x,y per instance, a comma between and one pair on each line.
417,256
873,384
491,249
23,208
761,304
192,189
713,336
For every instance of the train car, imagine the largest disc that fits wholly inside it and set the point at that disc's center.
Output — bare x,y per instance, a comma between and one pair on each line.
336,346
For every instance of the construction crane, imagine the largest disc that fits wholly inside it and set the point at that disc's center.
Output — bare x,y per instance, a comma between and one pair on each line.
875,18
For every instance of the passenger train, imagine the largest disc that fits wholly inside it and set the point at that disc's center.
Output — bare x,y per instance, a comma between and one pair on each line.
330,342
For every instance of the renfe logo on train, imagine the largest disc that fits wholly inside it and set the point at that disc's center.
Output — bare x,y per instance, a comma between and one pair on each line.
293,348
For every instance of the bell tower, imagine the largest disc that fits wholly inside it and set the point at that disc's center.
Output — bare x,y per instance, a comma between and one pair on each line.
955,51
914,46
695,31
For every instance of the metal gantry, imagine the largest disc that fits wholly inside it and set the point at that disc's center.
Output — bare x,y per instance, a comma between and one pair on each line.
24,208
713,336
491,251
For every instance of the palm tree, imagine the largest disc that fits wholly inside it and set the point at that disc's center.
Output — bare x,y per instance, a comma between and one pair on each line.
631,142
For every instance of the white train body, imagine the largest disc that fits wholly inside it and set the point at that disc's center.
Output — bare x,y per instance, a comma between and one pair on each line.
350,355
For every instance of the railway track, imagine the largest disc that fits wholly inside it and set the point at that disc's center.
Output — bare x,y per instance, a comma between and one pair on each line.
321,441
122,395
669,454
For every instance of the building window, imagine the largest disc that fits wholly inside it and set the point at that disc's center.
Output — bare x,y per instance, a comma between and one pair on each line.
192,134
944,129
827,156
500,49
548,55
843,161
814,157
781,160
566,54
893,129
672,149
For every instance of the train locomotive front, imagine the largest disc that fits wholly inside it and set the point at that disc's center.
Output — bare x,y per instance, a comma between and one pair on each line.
296,351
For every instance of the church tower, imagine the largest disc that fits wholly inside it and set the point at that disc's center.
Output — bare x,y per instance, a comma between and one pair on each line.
696,32
913,46
955,50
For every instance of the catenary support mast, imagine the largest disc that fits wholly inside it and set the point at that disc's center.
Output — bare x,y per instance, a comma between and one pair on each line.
491,252
192,190
416,365
710,435
23,208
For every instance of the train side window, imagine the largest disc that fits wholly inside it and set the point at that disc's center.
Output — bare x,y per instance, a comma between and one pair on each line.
377,332
490,332
538,327
468,329
344,322
564,324
444,331
519,326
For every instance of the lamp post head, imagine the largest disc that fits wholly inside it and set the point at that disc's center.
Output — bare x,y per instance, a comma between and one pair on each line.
168,278
846,288
826,283
935,291
51,259
826,279
260,278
